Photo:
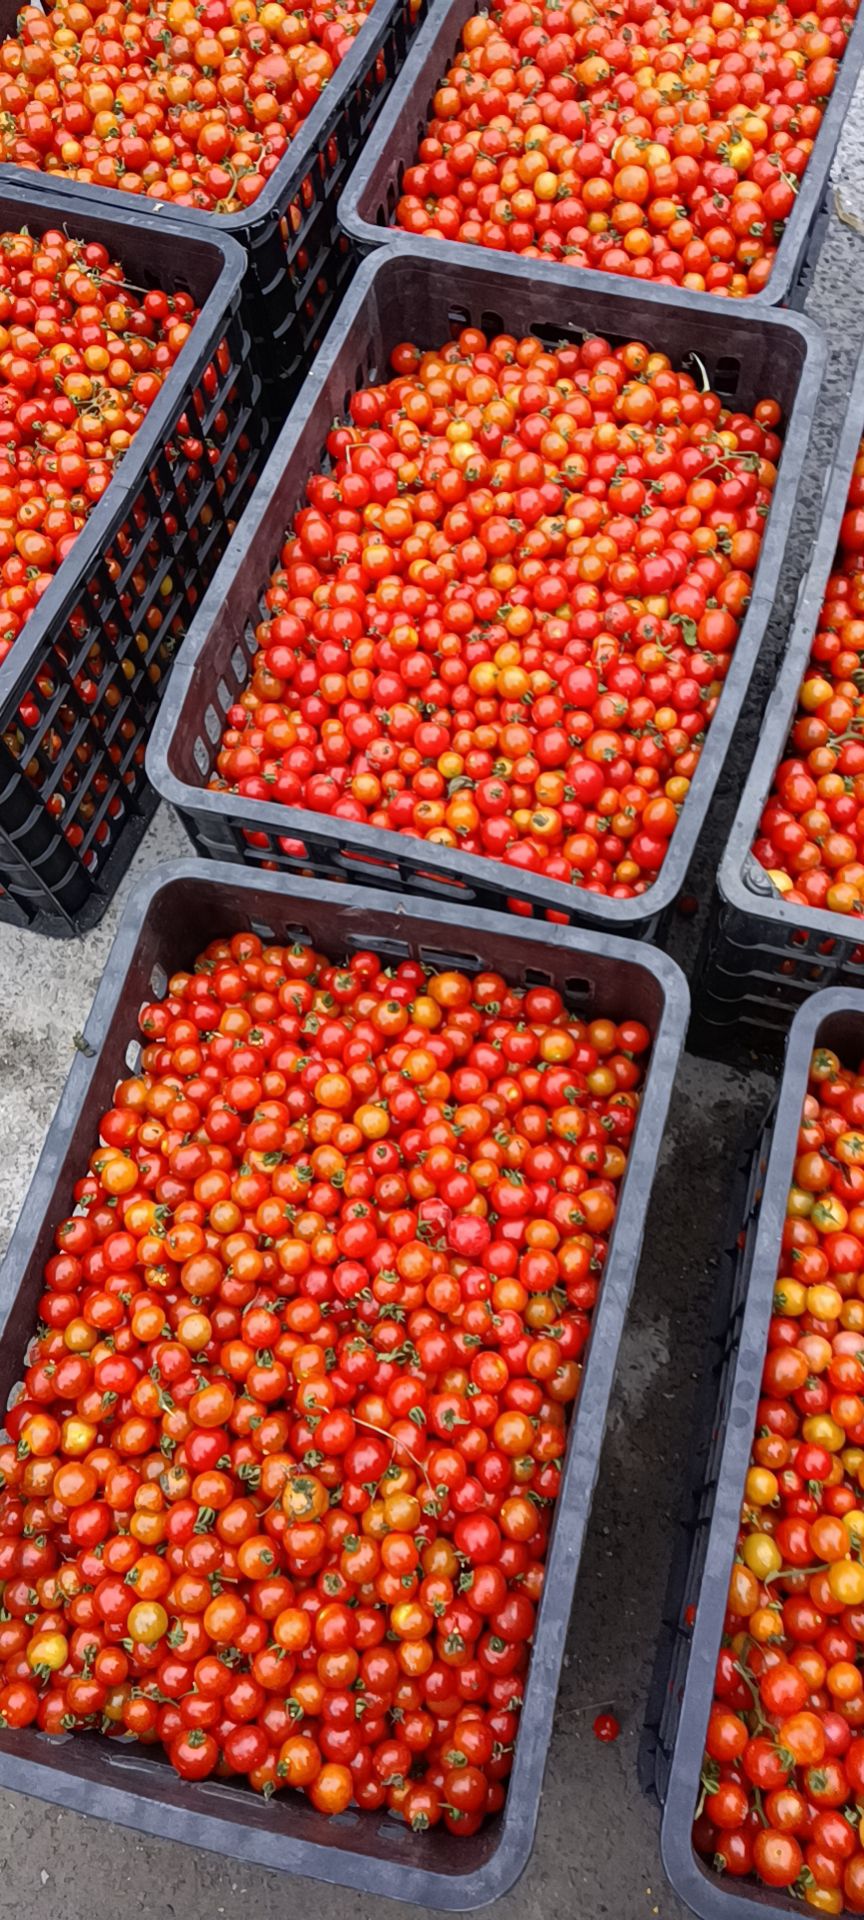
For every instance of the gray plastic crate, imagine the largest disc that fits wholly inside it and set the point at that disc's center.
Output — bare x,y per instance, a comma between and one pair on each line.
417,292
298,261
368,202
672,1754
151,545
762,956
170,918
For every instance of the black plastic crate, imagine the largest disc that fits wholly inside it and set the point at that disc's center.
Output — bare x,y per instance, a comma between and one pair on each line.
369,201
298,261
171,917
761,956
117,607
680,1702
417,292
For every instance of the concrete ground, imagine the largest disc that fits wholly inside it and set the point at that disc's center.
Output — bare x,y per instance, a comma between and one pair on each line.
596,1852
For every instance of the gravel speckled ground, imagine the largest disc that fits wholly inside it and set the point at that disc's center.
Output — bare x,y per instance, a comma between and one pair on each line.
596,1853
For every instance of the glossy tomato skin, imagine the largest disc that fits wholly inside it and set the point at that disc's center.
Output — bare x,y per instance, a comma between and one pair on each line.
554,139
278,1494
201,106
786,1731
810,833
515,654
83,360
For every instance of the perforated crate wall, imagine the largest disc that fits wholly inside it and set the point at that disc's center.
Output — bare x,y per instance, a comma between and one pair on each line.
416,292
80,686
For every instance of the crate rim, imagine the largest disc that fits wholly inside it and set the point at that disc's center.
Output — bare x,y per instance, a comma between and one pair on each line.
397,1879
779,713
17,670
383,844
283,182
791,251
707,1895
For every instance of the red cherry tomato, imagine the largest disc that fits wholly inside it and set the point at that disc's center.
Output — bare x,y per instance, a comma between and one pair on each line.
298,1440
531,686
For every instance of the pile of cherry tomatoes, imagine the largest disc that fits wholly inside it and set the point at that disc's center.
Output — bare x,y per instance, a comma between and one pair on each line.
660,139
784,1764
278,1488
503,621
196,104
83,357
811,834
